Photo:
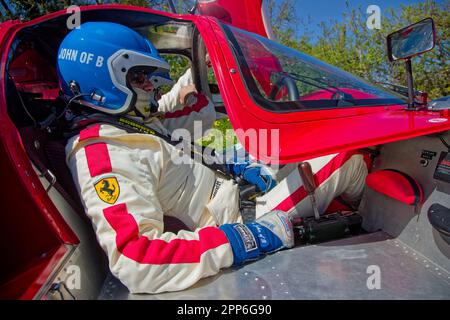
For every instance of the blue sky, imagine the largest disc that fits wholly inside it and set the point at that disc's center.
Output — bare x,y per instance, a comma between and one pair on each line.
324,10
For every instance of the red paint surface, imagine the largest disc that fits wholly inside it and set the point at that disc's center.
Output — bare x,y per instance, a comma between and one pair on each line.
303,135
32,232
394,185
308,134
244,14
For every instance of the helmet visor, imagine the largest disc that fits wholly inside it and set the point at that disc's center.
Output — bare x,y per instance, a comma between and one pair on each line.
147,79
140,77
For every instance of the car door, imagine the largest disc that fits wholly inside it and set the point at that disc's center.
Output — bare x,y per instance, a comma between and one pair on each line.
34,237
287,107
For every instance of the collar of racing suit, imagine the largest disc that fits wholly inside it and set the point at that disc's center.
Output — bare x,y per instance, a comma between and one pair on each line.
146,105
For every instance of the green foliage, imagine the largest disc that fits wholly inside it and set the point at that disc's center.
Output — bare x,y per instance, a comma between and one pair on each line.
30,9
221,137
351,46
178,66
347,44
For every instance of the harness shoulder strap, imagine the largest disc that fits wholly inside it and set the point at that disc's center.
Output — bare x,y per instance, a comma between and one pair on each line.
247,192
197,152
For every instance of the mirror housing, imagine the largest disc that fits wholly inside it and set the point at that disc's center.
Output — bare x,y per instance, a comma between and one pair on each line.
411,41
408,42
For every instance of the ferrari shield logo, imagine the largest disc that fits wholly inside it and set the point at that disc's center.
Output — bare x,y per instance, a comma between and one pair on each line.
108,189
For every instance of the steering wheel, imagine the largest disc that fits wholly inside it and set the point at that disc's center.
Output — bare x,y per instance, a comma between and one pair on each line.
336,95
290,85
342,96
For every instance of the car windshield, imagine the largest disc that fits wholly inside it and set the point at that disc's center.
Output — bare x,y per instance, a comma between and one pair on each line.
281,79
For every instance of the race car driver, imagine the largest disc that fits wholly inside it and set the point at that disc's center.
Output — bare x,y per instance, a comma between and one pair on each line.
128,180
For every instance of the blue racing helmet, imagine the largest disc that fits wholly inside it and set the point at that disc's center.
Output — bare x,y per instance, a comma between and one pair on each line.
95,62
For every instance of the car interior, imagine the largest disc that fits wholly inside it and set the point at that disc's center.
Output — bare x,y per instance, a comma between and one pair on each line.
401,187
33,93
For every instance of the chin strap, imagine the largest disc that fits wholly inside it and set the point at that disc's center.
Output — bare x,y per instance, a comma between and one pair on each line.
146,105
139,114
154,106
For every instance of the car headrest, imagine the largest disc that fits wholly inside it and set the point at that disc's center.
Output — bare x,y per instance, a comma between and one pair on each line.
397,185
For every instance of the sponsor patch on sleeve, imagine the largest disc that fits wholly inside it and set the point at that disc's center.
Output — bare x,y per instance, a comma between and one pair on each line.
217,184
108,189
247,237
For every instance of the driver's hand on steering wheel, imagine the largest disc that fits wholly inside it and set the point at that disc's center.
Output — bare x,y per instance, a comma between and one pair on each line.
185,92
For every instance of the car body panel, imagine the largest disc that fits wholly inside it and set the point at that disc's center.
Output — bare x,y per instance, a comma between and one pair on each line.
249,15
34,236
302,135
307,134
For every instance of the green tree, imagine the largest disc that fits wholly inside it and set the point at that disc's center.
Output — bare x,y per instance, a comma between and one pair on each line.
29,9
351,46
347,44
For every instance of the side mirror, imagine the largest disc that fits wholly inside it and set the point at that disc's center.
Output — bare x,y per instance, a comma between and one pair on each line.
411,41
408,42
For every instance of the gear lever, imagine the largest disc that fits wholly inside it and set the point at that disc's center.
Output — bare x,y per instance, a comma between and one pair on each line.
304,168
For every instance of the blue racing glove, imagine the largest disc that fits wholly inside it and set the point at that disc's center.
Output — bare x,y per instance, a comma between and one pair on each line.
251,172
263,182
269,233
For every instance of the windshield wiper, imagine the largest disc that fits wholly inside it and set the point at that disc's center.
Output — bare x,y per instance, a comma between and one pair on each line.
343,96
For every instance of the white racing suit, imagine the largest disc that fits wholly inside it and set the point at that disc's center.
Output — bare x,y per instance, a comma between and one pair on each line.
128,182
170,102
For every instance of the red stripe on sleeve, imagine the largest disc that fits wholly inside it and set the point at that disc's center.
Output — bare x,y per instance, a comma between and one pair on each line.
143,250
98,160
201,103
91,132
97,155
320,177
